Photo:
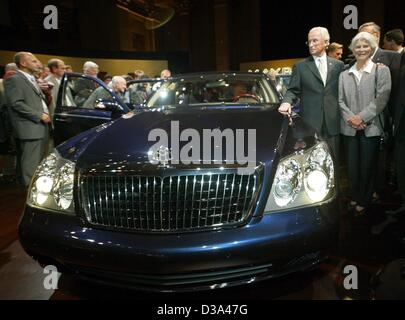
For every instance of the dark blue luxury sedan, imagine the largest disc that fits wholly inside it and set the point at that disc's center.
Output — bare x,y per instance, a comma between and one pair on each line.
203,186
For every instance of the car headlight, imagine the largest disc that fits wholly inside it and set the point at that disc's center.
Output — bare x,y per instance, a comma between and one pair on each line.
303,179
52,185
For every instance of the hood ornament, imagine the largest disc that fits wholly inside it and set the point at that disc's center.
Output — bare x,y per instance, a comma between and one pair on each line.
162,156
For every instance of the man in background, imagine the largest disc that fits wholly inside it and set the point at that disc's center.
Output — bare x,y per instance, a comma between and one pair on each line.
393,40
118,85
57,68
29,114
7,145
83,88
335,50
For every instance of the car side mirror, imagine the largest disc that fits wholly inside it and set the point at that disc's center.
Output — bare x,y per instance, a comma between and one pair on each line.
108,105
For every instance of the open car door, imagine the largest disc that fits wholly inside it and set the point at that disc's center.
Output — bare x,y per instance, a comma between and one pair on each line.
83,103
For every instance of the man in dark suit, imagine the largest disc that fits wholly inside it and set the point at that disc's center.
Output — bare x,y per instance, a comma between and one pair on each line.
387,57
29,114
315,82
399,135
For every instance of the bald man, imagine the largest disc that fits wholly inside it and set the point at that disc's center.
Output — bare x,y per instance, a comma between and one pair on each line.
29,114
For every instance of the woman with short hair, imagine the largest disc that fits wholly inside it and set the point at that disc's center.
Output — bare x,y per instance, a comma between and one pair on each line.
364,91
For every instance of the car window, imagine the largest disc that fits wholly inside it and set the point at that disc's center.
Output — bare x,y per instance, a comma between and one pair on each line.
140,91
214,90
84,93
282,83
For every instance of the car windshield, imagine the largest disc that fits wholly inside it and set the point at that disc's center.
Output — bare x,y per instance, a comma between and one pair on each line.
282,83
234,89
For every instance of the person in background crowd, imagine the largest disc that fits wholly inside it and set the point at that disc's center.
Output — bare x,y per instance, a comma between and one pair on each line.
57,68
84,88
139,92
399,135
118,85
364,91
315,82
335,50
69,69
44,85
29,114
7,144
107,79
393,40
127,77
165,74
138,74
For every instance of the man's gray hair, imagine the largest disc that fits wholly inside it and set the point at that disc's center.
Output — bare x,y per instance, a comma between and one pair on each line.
366,37
376,27
11,67
90,65
117,79
324,33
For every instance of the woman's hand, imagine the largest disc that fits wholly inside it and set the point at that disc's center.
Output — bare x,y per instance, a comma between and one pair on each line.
356,122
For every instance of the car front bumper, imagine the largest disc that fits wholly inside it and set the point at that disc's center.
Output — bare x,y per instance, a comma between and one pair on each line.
269,246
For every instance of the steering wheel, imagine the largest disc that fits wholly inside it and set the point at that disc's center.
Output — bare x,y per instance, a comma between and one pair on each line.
246,95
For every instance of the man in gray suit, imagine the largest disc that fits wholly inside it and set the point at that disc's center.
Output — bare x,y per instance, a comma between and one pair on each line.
29,114
57,68
315,82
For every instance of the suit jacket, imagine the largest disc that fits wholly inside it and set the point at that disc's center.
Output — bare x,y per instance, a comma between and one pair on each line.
51,78
318,103
359,98
399,116
26,108
99,94
392,60
83,88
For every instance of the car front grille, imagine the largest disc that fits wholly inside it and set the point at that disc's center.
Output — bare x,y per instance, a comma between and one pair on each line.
168,204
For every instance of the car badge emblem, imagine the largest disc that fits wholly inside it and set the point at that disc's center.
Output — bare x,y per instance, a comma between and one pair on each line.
162,156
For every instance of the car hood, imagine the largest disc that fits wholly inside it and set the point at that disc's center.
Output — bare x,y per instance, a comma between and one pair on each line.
125,142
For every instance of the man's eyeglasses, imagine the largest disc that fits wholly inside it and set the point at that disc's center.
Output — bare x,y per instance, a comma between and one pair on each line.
315,42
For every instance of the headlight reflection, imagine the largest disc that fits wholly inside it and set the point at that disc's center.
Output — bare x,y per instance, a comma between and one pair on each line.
52,184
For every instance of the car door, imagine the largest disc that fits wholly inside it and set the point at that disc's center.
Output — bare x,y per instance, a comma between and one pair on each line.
83,103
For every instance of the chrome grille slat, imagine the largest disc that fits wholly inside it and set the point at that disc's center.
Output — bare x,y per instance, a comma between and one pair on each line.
106,199
223,196
133,203
101,202
216,199
185,203
237,203
200,202
177,202
173,204
230,199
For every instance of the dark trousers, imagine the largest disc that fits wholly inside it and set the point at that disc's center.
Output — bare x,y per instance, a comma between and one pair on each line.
30,153
400,168
332,140
361,155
